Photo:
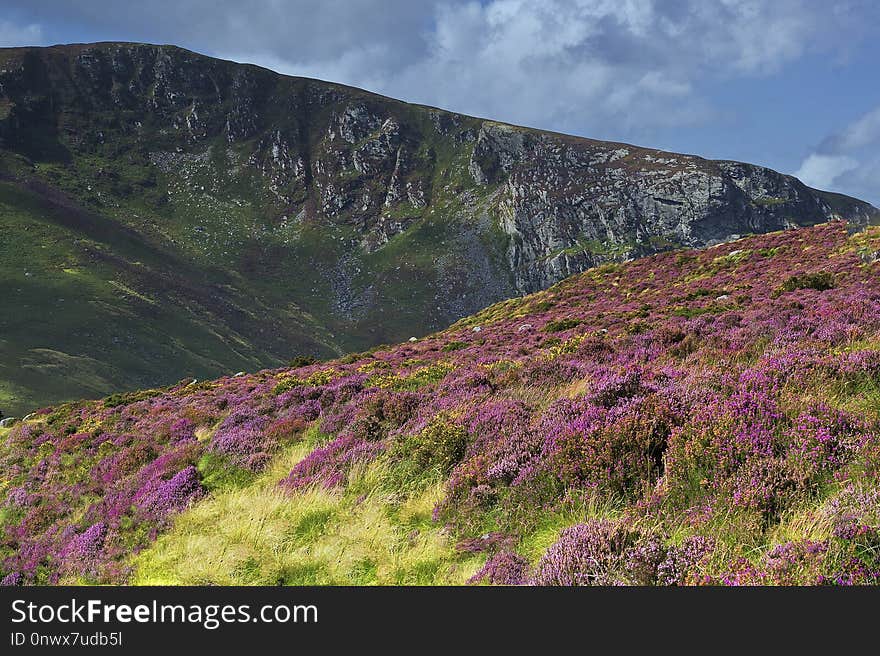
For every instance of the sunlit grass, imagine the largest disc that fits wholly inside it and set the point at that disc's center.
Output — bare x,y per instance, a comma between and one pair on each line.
262,535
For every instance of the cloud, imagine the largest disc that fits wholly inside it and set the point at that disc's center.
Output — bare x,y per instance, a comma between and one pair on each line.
20,35
613,68
821,171
634,70
849,160
860,133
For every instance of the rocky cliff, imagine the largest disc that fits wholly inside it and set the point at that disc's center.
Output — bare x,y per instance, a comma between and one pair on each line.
281,215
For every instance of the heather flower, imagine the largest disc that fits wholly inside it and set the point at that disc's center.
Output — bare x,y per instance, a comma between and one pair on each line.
612,387
86,546
792,562
17,497
163,497
584,554
182,430
687,391
13,578
487,542
618,449
642,561
680,563
240,434
329,466
503,568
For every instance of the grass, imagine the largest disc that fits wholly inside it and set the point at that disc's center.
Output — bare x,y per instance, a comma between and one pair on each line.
88,310
176,254
179,260
533,545
257,534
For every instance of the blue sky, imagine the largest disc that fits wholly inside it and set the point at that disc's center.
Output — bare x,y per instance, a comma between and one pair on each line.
790,84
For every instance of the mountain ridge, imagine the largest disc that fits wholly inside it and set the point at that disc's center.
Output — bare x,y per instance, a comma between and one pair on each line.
309,217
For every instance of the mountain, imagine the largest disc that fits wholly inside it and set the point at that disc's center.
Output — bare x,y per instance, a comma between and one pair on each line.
169,215
697,417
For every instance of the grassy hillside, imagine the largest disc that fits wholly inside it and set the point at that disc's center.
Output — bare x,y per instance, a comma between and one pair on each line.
695,417
167,215
90,307
190,247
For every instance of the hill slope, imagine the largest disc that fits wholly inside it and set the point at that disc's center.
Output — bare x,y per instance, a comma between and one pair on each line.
702,416
166,214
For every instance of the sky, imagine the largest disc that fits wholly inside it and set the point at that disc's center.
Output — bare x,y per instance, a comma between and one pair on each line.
789,84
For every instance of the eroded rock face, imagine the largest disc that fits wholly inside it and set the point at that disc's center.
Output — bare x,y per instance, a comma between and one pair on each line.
312,155
568,204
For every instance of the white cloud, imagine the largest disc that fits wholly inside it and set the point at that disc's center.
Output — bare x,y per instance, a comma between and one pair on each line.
821,171
863,132
848,161
600,66
618,69
20,35
611,68
614,68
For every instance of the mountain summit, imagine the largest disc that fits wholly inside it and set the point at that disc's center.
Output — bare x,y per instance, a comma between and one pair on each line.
167,214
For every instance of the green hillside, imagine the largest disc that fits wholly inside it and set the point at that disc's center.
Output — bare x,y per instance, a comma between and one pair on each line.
166,215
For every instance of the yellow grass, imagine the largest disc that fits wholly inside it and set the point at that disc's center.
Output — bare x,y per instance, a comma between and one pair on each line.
261,535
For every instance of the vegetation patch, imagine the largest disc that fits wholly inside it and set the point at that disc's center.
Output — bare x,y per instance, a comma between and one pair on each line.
560,325
818,280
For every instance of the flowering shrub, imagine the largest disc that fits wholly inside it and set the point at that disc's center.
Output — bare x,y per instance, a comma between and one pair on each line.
619,450
694,393
328,466
503,568
585,554
182,430
241,435
679,567
164,497
81,554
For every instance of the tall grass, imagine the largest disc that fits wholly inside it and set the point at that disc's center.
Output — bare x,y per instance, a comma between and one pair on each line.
261,535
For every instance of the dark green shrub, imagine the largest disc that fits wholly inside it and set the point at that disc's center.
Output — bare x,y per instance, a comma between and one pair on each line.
558,325
453,346
818,280
541,306
115,400
302,361
441,445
